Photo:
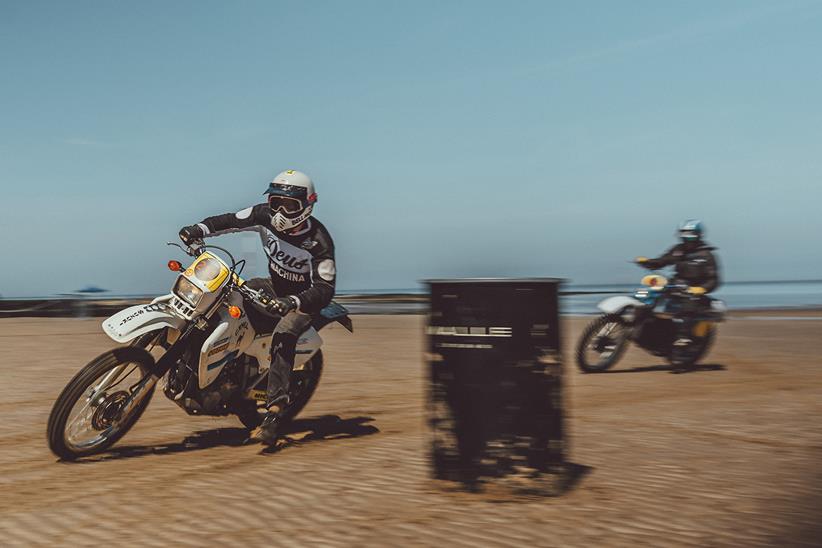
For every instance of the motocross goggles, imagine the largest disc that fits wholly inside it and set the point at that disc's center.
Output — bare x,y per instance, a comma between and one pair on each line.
284,204
288,199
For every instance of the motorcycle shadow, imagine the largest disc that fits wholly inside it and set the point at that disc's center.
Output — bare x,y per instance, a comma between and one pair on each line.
327,427
299,431
671,369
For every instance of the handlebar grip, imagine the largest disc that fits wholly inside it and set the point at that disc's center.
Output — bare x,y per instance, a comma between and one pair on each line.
257,298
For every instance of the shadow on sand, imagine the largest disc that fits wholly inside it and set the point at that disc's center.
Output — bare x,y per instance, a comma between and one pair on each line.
507,489
328,427
667,367
299,431
575,474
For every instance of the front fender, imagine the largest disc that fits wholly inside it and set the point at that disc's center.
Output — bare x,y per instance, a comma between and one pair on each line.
134,321
614,305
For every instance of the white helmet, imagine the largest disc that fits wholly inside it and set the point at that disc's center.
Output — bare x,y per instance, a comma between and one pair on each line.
291,197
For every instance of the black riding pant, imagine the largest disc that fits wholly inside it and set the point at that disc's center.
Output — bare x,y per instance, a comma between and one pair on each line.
686,308
283,347
283,350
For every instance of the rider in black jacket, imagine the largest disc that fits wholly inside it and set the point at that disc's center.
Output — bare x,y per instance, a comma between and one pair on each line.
695,266
301,265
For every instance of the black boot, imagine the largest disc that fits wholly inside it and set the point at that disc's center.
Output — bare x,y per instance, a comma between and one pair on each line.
282,360
269,429
681,347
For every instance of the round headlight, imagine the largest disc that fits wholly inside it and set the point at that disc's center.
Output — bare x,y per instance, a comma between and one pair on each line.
207,269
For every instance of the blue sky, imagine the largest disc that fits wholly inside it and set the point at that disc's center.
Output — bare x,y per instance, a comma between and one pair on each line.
446,138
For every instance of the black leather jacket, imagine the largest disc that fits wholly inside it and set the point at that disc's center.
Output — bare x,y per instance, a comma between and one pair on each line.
694,265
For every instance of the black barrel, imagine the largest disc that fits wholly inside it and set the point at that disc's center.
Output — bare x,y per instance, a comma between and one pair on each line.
495,372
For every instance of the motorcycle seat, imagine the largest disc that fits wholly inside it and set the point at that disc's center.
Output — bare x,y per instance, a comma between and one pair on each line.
264,323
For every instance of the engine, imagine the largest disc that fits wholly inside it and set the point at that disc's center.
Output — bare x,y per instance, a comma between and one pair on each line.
182,387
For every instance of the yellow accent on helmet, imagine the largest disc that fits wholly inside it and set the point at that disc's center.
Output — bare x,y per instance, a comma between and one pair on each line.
696,290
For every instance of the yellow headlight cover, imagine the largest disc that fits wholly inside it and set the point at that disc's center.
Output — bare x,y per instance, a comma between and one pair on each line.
209,270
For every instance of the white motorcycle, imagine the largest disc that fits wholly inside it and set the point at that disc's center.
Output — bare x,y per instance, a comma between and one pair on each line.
648,319
208,340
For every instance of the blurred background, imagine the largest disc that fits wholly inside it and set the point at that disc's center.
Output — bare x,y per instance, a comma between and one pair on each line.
445,138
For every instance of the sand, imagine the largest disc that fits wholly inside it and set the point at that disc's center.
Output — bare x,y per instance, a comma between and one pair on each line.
726,455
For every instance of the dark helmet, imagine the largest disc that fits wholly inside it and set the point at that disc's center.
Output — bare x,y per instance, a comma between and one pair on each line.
691,231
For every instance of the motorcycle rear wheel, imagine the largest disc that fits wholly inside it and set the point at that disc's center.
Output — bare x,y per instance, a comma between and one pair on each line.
691,357
612,353
102,412
303,385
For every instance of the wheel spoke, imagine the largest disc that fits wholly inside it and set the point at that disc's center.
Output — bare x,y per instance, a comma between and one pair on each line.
109,378
75,426
96,416
604,344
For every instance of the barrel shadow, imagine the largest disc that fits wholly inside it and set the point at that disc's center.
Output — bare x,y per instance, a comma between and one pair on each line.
557,482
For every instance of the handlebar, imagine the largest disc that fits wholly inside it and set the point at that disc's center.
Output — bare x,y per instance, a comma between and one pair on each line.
255,298
190,251
247,292
196,248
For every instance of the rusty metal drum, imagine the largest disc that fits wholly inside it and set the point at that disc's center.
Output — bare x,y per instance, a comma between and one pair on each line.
495,406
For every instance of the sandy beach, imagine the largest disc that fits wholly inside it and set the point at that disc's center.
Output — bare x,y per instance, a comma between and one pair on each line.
727,455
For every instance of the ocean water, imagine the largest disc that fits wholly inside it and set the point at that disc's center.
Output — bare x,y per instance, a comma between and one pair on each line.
737,295
583,299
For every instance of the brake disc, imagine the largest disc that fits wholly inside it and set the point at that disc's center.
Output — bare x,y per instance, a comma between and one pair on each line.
109,410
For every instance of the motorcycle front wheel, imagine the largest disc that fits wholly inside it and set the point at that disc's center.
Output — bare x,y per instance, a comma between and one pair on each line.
602,344
86,417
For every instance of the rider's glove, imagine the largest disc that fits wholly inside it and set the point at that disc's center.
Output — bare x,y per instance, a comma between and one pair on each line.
278,305
190,234
696,290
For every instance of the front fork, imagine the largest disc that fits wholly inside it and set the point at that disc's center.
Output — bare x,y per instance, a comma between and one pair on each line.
167,360
161,367
142,389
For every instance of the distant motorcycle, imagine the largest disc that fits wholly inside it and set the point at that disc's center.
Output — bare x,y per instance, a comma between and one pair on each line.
211,341
647,319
